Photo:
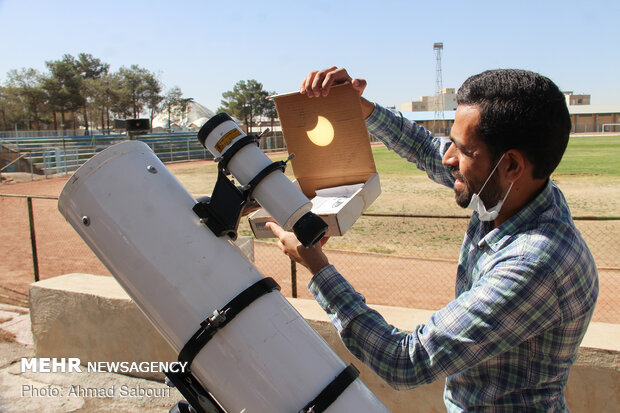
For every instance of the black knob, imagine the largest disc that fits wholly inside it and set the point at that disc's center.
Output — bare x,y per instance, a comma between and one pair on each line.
309,229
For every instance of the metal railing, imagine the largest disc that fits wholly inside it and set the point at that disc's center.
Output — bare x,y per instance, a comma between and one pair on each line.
393,259
61,155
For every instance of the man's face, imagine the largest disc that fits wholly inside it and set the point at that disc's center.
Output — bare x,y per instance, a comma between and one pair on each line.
470,160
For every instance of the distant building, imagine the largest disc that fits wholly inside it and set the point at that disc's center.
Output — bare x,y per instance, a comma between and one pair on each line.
572,99
192,118
446,100
427,120
594,118
584,118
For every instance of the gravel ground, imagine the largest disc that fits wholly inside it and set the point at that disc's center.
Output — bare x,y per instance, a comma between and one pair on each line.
67,392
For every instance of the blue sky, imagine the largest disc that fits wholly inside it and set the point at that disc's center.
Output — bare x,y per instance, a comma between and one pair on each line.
205,47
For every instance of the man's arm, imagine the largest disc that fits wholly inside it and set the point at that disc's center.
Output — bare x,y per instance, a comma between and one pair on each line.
412,142
406,138
496,315
493,317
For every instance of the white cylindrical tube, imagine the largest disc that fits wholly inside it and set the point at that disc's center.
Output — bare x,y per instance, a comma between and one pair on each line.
138,219
276,193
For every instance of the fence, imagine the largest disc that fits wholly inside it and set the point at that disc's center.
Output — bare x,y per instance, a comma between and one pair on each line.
61,155
40,133
399,260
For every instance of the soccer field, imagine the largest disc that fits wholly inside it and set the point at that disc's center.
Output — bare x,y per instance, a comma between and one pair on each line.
419,253
589,175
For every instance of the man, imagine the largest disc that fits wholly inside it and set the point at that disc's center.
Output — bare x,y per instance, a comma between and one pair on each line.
526,282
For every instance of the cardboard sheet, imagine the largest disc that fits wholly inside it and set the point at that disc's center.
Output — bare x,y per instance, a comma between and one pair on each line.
344,159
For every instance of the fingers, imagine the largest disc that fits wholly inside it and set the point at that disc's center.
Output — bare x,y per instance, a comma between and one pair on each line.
276,229
282,248
286,239
324,80
359,85
318,83
312,258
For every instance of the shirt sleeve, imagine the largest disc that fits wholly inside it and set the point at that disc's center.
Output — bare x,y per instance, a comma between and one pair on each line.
505,308
412,142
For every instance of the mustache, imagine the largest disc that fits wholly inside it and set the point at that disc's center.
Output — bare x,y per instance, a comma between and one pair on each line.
457,174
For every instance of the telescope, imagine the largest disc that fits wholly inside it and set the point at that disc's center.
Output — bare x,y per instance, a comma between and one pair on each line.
247,348
260,179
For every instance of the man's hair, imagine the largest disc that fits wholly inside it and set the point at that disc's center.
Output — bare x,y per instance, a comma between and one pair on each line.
520,110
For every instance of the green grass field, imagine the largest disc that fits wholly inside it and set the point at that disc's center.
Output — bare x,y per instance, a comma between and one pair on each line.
591,155
595,155
589,176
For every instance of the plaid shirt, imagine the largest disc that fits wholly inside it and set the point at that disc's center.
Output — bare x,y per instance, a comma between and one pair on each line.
525,293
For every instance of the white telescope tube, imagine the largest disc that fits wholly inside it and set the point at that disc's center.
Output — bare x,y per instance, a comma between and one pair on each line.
138,219
276,193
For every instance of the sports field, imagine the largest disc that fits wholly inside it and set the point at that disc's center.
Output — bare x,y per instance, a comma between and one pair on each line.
589,176
392,260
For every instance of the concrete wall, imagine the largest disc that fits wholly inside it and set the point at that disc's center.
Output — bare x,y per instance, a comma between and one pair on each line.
7,156
593,122
91,317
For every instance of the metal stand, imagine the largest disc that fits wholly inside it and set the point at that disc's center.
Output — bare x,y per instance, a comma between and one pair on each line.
223,211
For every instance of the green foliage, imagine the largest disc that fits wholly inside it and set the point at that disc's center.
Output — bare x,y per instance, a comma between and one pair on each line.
141,87
23,88
174,104
76,88
63,86
585,155
246,101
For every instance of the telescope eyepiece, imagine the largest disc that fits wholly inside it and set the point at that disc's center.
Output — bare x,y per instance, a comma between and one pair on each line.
310,229
210,126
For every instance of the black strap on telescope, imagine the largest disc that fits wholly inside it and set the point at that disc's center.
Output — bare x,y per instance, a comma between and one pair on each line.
198,397
246,140
220,318
222,212
332,391
274,166
234,148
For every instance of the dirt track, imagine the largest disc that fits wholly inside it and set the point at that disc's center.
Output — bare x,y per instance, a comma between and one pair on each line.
383,279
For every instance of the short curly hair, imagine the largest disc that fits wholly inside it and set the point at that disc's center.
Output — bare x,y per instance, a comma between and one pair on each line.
520,110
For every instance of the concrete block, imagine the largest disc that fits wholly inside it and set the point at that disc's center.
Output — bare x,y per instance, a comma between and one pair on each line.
91,317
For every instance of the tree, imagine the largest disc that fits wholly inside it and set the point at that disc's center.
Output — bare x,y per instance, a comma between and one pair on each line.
26,85
270,109
4,104
105,91
121,105
11,109
141,87
82,87
246,101
172,103
152,95
62,87
89,69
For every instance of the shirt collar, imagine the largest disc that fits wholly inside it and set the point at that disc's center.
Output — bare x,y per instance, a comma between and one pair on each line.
497,237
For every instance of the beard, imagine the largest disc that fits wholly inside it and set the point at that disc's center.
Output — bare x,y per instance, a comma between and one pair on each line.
491,195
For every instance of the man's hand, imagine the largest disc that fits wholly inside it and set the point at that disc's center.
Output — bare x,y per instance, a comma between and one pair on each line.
312,258
319,82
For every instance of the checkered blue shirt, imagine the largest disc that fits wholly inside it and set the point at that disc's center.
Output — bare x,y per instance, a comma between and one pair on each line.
525,293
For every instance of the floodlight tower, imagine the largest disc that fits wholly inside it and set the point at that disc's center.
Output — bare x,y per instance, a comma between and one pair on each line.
439,103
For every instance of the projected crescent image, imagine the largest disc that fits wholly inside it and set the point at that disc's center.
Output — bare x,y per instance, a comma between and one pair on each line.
323,132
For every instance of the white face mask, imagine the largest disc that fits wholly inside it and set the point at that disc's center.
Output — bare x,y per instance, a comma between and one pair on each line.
477,205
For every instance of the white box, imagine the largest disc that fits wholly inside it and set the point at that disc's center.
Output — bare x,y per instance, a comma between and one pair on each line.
339,207
333,164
